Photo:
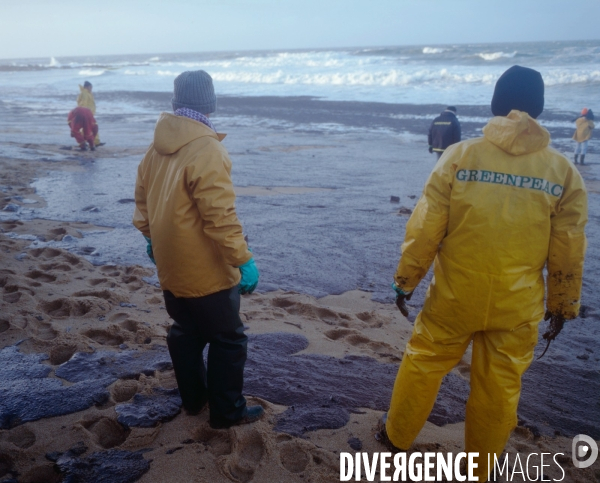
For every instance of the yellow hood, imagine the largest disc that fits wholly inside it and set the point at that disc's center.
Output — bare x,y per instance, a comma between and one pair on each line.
517,134
173,132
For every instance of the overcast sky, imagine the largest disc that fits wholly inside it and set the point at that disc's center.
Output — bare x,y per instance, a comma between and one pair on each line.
43,28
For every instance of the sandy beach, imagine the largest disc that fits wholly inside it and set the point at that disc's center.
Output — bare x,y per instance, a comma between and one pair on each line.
89,390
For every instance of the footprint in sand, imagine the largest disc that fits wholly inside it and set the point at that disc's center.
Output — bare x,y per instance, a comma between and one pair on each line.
293,457
45,331
130,325
373,319
248,449
62,267
337,334
310,311
102,294
20,436
97,281
13,292
217,442
106,431
105,337
357,339
41,276
124,390
115,296
52,253
119,317
110,271
12,298
64,307
45,253
11,225
4,325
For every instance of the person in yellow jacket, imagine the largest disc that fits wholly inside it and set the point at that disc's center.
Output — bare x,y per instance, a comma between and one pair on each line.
86,99
494,212
185,207
583,133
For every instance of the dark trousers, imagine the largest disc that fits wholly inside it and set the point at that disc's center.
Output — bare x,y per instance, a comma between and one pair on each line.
439,154
212,320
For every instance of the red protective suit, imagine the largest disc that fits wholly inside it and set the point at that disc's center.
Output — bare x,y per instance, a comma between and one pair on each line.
83,126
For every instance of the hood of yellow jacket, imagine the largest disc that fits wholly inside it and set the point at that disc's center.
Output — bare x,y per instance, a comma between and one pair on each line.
173,132
517,134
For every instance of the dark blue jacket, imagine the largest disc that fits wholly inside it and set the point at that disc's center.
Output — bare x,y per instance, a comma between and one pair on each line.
444,131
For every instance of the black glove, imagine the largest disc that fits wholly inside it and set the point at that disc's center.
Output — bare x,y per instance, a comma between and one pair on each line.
430,149
401,304
557,321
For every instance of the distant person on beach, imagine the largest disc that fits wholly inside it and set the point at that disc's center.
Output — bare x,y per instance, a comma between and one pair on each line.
493,214
583,133
86,99
83,127
185,207
444,131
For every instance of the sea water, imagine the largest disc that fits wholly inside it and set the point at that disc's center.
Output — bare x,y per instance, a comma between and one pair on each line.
462,74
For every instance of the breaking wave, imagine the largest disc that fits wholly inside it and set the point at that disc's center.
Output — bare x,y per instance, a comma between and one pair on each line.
432,50
496,55
392,77
91,72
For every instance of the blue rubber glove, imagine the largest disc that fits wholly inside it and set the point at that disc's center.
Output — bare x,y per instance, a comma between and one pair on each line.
149,249
250,277
401,298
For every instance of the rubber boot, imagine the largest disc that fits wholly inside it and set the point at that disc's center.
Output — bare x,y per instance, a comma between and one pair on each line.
576,156
582,158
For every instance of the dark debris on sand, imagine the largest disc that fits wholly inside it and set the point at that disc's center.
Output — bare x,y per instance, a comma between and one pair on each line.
322,390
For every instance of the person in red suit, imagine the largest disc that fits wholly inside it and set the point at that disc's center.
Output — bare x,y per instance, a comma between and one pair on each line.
83,127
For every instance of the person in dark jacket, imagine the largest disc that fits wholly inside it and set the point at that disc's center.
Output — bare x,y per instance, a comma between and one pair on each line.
444,131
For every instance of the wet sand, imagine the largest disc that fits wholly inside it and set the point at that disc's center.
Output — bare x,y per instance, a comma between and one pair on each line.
304,193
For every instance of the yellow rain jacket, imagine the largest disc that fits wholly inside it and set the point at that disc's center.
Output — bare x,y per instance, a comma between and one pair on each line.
493,213
186,204
584,129
86,99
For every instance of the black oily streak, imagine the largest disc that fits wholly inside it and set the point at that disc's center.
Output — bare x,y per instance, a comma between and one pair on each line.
571,409
112,466
321,390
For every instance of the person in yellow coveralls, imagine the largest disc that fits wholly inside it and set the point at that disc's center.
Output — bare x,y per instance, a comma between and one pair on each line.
86,99
494,211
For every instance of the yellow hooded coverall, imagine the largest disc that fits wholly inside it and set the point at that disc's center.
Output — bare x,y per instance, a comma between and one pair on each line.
493,213
86,99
